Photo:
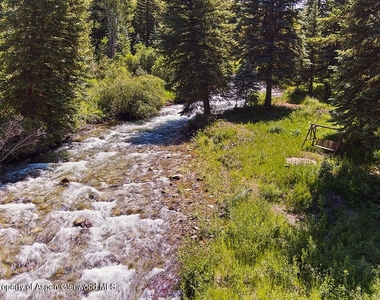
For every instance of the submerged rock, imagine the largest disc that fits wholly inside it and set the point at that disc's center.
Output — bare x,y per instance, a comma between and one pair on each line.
86,224
65,181
82,222
79,221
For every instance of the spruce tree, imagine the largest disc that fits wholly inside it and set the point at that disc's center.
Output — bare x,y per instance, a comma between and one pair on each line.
145,21
320,42
312,31
357,90
196,39
43,49
270,40
111,25
331,13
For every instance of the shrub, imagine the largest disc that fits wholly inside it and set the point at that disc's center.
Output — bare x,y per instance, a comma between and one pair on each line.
142,61
276,128
126,97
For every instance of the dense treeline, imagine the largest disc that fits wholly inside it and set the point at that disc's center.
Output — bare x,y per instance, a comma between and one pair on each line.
63,61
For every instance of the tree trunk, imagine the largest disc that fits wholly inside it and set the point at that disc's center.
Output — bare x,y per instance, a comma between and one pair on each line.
206,106
327,92
311,83
268,94
112,27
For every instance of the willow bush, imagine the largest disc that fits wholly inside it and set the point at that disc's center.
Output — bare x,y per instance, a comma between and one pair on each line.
120,95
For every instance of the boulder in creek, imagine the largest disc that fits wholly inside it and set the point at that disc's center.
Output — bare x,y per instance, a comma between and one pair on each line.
82,222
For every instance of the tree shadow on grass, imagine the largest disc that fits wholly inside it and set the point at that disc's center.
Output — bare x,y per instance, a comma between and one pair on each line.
257,113
343,227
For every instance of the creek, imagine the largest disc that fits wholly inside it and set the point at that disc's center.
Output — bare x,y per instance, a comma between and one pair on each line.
103,216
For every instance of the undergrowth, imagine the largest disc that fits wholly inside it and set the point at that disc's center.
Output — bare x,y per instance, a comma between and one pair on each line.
253,164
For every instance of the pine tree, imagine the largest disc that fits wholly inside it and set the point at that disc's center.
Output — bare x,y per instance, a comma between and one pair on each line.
111,22
357,90
197,39
43,47
331,13
312,31
270,40
145,21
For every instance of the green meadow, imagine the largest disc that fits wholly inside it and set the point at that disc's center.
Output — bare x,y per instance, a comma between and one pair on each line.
290,222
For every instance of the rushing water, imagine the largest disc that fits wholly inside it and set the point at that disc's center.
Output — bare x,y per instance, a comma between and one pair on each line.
98,218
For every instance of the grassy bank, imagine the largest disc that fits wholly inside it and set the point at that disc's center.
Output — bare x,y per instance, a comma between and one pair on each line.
290,223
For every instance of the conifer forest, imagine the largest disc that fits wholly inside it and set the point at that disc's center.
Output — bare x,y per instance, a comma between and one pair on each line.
275,195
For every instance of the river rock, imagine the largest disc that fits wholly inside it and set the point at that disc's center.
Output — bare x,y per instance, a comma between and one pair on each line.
86,224
176,177
65,181
82,222
79,221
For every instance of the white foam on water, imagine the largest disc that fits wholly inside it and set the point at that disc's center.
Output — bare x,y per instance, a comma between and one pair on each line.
59,251
31,187
63,240
67,218
105,208
40,260
17,208
101,259
114,280
32,254
76,169
137,155
91,143
77,191
9,236
126,234
120,225
101,156
9,233
19,213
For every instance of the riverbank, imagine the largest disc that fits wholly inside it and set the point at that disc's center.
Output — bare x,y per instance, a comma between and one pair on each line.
290,223
112,207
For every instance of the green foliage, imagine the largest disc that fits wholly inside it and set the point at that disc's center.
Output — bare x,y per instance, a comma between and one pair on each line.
354,183
321,26
162,69
319,46
111,25
269,41
145,22
119,95
357,79
297,94
197,271
142,61
246,83
196,40
147,60
44,48
260,251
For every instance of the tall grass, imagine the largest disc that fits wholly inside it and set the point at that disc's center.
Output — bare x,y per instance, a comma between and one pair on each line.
259,251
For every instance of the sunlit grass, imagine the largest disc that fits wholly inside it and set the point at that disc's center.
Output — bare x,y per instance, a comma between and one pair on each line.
262,253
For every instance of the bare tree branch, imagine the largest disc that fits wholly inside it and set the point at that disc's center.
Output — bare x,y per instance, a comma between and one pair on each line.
15,140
